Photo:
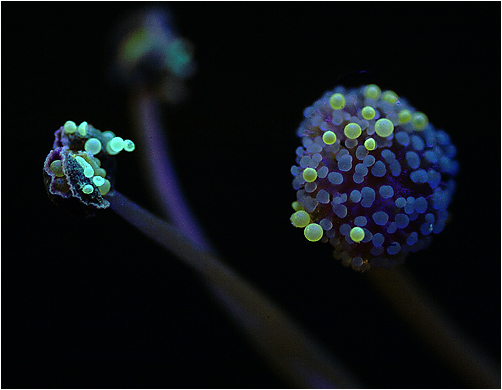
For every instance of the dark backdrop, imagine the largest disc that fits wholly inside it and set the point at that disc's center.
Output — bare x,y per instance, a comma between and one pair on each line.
92,303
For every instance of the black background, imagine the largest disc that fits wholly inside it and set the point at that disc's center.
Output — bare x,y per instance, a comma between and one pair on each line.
92,303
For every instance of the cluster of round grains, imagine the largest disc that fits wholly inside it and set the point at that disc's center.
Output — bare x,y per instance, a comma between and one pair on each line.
80,164
373,177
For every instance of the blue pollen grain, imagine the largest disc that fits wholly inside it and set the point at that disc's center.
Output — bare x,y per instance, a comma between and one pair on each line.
374,176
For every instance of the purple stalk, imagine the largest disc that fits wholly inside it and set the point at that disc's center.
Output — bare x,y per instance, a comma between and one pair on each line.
163,178
430,323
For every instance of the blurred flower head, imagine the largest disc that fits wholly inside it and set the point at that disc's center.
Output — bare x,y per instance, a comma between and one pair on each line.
148,52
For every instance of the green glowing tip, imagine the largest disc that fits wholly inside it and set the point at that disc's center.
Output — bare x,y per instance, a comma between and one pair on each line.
297,206
372,91
390,96
88,189
92,145
329,138
357,234
300,219
368,113
352,130
370,144
98,181
404,116
384,127
313,232
84,164
129,145
309,174
70,127
419,120
337,101
82,129
57,168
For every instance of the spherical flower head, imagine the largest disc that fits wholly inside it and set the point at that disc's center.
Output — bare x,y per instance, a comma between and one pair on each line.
79,170
373,177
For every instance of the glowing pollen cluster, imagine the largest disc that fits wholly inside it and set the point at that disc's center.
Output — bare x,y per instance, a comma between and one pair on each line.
78,171
374,177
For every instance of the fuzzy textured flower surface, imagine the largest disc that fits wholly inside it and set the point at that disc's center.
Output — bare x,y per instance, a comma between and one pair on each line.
373,177
78,172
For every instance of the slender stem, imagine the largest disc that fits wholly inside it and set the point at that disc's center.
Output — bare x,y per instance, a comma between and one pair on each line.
163,178
431,324
294,354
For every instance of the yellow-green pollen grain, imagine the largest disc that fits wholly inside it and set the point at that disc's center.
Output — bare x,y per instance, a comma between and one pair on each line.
372,91
370,144
88,189
129,145
105,188
70,127
419,120
300,219
82,129
337,101
404,116
297,206
352,130
384,127
93,145
309,175
313,232
57,168
100,172
390,96
357,234
329,138
368,113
